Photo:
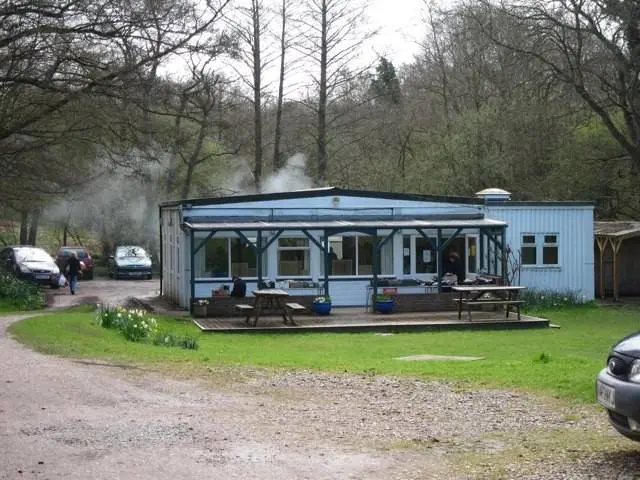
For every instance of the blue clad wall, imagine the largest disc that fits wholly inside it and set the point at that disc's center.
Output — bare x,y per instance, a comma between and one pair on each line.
574,227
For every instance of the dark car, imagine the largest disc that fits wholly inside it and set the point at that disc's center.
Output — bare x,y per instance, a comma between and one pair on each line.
64,253
30,263
130,262
618,386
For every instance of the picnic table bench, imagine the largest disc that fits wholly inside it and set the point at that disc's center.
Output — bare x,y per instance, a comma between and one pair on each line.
272,299
497,295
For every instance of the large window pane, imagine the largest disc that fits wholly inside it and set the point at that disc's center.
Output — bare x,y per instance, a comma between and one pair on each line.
425,254
216,261
339,265
365,256
293,256
243,259
406,254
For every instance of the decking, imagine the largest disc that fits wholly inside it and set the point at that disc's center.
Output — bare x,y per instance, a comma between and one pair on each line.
350,320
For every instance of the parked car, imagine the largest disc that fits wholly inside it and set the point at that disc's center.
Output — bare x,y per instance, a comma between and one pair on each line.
130,262
618,386
64,253
30,263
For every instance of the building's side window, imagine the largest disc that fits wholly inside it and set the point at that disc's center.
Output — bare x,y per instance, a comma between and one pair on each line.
293,256
539,249
550,250
528,249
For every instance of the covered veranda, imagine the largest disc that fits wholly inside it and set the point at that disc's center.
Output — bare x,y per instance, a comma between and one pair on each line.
261,234
610,238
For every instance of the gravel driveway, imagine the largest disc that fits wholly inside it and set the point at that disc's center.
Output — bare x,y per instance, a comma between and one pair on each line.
76,419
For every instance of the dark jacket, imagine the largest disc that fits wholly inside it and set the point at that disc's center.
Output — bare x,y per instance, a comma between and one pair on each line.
73,266
239,288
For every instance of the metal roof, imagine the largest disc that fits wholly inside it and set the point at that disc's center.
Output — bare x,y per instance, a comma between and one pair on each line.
343,224
323,192
618,229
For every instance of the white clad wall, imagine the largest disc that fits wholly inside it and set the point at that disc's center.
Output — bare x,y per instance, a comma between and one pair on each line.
574,227
172,251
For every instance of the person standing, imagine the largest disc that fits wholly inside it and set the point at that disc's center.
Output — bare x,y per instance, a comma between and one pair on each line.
73,270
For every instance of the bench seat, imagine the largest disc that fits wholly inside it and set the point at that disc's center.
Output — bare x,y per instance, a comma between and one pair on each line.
244,308
507,303
296,307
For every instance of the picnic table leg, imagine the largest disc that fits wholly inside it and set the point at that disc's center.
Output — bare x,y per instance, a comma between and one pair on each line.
258,308
460,307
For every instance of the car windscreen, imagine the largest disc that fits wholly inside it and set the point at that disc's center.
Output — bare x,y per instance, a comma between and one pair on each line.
32,255
80,252
138,252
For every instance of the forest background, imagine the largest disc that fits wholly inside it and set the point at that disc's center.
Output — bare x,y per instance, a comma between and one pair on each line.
110,107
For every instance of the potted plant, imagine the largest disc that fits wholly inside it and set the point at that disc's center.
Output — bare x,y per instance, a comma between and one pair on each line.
200,307
322,305
383,303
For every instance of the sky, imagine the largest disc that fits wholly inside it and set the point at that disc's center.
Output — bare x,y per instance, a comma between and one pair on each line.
400,24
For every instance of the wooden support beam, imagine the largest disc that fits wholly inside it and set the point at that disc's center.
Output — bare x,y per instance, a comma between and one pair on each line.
615,246
602,245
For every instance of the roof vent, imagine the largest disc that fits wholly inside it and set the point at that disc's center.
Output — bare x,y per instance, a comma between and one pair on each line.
494,195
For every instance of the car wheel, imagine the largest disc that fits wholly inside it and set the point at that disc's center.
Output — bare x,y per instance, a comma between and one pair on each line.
149,277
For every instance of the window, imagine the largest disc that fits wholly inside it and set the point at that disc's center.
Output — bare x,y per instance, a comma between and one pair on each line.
528,250
293,256
420,252
353,256
550,250
540,249
225,257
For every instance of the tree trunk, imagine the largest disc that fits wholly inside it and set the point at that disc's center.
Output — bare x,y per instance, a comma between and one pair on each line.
24,219
277,160
322,102
33,226
257,96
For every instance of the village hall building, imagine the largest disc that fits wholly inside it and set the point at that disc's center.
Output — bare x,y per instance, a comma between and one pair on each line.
345,243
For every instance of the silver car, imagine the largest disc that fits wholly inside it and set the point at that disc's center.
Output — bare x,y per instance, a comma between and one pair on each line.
618,386
30,263
130,262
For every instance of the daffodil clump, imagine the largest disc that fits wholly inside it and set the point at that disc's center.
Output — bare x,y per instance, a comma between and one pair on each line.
135,324
138,326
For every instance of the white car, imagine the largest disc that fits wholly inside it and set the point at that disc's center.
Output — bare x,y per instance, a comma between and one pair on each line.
30,263
130,261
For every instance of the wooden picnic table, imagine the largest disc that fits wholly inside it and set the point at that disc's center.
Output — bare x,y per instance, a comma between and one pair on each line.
272,299
505,295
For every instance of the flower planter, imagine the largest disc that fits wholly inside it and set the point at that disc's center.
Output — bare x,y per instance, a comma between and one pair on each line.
321,308
199,310
384,306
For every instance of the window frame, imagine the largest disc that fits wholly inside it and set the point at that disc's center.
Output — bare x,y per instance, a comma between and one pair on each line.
540,245
307,255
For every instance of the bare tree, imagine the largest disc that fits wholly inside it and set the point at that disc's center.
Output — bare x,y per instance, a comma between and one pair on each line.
591,46
57,55
332,36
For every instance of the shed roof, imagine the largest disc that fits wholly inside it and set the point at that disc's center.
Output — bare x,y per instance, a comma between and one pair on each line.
617,229
193,224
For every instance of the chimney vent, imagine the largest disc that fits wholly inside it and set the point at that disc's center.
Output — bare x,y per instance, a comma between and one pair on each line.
494,195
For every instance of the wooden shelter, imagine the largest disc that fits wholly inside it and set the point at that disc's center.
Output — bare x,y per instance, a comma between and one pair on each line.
618,258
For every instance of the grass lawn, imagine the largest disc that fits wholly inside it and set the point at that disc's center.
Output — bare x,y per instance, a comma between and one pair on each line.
561,362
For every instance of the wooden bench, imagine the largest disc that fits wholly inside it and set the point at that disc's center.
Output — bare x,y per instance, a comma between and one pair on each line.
245,309
293,307
507,303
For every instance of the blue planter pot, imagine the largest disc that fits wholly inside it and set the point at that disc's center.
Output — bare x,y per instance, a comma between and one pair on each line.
322,308
384,306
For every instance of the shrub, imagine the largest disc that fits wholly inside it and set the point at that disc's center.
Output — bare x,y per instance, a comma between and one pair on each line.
24,295
551,299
